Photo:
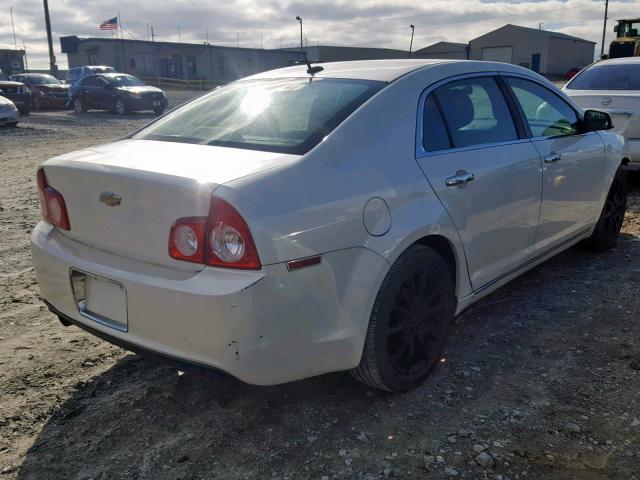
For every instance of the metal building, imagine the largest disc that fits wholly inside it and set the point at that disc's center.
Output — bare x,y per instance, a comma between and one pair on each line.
542,51
446,50
186,61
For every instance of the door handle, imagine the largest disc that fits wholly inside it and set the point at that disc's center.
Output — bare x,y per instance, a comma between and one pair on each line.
552,157
460,178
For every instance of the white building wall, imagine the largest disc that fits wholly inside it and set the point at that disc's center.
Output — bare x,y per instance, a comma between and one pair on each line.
568,54
524,43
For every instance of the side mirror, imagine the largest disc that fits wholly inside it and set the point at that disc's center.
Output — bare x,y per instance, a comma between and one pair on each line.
595,120
615,29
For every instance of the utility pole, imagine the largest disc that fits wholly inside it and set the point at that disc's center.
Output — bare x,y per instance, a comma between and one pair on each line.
237,39
299,18
53,68
413,28
179,35
26,62
15,44
153,35
540,25
604,28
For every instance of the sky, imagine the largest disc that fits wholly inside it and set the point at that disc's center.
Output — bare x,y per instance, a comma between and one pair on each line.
272,23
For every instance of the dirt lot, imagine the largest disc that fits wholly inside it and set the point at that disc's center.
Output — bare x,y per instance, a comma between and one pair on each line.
542,376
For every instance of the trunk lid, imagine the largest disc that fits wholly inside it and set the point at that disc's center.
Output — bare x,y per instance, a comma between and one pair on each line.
157,182
623,106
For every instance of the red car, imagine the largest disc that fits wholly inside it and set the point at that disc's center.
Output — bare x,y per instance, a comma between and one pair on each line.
46,90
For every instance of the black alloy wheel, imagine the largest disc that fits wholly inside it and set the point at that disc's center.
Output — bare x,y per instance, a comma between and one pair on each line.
410,322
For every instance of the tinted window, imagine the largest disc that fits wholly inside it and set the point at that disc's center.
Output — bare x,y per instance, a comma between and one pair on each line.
546,113
608,77
434,133
475,112
288,115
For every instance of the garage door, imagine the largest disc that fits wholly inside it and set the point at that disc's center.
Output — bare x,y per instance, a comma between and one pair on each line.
497,54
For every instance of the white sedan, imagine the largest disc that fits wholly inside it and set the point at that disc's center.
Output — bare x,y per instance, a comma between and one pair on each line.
336,217
614,87
9,114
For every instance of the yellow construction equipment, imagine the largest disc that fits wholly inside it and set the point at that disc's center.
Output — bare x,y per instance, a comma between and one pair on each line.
627,41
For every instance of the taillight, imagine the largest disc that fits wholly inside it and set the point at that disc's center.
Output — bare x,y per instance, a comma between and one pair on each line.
222,239
52,205
186,241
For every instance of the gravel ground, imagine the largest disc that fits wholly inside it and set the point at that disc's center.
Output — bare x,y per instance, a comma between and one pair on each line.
541,379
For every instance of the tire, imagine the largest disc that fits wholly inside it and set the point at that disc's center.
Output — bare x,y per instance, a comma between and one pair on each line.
605,235
79,106
120,107
159,111
24,111
410,322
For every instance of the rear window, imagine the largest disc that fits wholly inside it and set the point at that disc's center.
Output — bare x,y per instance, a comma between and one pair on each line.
607,77
284,115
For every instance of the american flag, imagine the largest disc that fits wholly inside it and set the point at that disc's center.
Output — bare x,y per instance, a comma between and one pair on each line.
111,24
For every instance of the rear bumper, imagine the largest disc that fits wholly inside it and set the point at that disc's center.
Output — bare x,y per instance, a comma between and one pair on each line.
265,327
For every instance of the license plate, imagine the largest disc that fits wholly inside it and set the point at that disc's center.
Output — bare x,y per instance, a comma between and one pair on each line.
100,299
156,103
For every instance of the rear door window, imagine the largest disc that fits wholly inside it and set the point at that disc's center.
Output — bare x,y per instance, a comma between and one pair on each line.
434,132
475,112
546,113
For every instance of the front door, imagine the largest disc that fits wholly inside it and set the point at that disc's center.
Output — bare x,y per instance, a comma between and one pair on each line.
484,172
574,166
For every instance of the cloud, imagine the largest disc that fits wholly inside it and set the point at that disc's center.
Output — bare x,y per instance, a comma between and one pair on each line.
271,23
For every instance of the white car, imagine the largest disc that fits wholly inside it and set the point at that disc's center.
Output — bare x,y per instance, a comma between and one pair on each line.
9,114
336,217
614,87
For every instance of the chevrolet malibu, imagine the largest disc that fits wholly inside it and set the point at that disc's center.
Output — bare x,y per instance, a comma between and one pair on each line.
614,87
325,218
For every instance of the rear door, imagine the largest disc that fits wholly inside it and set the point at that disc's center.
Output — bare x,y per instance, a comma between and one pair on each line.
574,166
472,149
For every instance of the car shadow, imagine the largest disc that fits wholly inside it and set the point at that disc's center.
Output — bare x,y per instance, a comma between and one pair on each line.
140,419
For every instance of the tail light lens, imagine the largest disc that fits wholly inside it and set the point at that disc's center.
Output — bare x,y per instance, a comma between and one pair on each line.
186,241
222,239
52,205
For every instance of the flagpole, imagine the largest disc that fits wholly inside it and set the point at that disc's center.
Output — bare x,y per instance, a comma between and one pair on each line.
120,24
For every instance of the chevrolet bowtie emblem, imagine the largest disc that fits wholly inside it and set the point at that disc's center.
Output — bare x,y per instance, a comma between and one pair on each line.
110,199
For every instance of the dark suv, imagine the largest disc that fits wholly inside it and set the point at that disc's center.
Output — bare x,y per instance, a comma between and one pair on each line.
46,90
118,92
17,92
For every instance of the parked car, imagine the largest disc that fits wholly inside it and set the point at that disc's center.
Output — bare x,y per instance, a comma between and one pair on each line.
17,92
78,73
119,92
9,114
613,86
572,72
304,221
46,90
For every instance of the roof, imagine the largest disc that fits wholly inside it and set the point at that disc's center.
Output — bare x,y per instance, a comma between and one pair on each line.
437,45
622,60
545,33
379,70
